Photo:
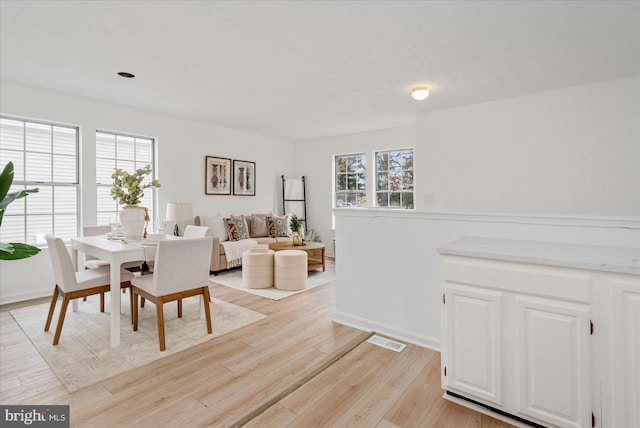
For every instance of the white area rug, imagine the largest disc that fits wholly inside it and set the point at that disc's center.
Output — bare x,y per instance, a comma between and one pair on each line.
315,279
83,357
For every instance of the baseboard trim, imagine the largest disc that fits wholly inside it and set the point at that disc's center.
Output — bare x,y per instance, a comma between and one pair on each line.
21,297
387,330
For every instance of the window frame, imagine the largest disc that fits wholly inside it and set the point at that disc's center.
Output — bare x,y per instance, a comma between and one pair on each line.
363,192
24,183
377,171
153,162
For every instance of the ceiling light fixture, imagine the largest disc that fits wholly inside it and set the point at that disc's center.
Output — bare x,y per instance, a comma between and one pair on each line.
127,75
419,93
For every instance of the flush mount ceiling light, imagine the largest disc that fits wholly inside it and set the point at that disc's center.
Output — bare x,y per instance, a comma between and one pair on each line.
419,93
127,75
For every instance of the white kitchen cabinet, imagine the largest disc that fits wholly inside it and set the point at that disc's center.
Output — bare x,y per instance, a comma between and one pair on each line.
553,353
531,331
473,330
625,350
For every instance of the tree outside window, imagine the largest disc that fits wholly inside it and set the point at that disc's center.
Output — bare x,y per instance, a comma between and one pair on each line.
394,178
351,180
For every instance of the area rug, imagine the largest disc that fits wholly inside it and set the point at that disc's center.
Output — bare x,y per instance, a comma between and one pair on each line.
83,357
315,279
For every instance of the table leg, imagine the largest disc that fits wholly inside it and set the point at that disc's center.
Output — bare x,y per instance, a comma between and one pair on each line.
114,316
323,260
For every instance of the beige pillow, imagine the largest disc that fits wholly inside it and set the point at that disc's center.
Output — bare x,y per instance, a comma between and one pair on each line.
236,228
277,226
257,226
216,226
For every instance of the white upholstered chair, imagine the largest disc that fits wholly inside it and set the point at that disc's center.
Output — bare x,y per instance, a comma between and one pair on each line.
72,285
181,271
91,262
192,231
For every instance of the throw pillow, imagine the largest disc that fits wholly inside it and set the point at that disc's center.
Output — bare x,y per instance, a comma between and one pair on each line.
216,226
258,226
236,228
277,226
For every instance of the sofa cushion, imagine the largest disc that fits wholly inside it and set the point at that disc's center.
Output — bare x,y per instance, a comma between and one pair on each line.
257,226
216,225
277,226
237,228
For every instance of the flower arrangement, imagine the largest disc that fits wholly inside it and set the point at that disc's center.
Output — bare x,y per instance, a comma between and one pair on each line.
128,188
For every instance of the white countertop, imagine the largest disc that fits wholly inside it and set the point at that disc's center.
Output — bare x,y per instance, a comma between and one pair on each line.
608,259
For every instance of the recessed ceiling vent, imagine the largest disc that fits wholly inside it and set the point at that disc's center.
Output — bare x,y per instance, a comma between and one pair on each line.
387,343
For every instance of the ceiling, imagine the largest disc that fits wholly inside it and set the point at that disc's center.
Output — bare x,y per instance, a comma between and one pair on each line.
299,70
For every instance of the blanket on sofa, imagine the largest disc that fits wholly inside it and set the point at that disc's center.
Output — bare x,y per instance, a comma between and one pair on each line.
234,249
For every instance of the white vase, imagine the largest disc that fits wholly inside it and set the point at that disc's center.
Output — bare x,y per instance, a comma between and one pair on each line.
132,218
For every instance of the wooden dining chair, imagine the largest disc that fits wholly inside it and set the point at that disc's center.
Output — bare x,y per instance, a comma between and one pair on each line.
181,271
73,285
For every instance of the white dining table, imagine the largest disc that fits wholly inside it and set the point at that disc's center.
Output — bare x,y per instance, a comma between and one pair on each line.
116,252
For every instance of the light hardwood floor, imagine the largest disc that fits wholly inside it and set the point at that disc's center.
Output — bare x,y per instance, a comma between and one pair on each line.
285,370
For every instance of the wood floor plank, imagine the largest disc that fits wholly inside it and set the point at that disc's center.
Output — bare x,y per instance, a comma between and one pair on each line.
276,417
370,409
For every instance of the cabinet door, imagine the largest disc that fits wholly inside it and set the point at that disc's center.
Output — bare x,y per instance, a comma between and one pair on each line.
473,342
625,308
553,361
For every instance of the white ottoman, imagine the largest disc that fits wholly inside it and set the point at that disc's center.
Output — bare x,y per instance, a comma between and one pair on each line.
290,270
257,269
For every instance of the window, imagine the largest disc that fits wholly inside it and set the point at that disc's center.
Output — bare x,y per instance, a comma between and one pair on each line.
128,153
44,156
394,178
351,180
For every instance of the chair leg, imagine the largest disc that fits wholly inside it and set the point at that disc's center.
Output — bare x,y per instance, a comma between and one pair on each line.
134,310
131,302
63,312
179,308
52,308
160,316
207,308
101,302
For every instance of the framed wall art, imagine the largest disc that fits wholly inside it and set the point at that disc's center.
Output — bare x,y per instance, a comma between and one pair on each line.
217,178
244,178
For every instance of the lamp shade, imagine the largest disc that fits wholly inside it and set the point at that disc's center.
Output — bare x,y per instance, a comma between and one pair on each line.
179,211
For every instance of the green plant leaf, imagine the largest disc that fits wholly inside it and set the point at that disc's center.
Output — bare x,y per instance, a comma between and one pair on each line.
20,251
6,178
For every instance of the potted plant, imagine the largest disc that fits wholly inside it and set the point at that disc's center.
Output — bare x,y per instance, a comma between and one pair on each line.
13,250
296,227
128,190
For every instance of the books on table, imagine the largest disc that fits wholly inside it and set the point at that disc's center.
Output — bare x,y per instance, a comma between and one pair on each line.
260,248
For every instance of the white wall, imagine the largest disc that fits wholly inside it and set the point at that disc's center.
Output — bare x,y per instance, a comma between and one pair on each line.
182,147
569,151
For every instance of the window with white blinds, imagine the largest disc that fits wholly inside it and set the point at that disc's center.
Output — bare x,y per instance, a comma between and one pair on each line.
125,152
45,156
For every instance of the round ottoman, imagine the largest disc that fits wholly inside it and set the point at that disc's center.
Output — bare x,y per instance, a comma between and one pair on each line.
290,270
257,269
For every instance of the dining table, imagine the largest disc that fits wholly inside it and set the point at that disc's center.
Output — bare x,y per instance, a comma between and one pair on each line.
116,252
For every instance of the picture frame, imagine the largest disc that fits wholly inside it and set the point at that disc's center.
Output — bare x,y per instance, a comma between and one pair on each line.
244,178
217,178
